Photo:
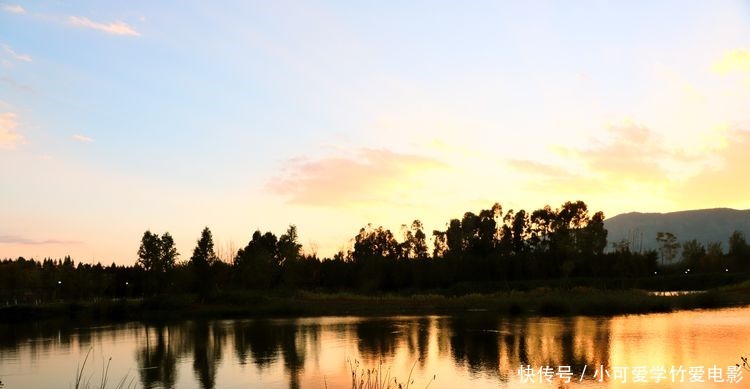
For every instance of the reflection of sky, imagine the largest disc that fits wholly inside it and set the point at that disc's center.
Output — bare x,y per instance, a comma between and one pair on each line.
460,352
119,117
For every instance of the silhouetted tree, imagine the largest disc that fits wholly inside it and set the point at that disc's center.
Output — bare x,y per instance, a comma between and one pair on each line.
693,253
202,263
714,260
375,252
169,253
290,255
259,262
739,250
414,245
668,246
150,254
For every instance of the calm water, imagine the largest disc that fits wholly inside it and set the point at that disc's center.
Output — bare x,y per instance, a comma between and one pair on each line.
476,351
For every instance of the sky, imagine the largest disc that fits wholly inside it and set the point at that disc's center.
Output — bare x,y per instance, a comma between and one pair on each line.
122,117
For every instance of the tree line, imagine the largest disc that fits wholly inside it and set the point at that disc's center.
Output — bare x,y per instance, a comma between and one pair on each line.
490,247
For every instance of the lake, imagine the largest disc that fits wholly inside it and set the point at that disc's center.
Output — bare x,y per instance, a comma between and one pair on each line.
477,350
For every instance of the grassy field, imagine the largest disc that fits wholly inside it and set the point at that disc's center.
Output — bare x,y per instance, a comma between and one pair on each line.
540,301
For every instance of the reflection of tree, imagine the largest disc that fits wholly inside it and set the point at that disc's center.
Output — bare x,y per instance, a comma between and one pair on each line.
207,341
476,344
264,339
46,334
417,338
157,362
294,358
500,346
257,337
378,338
482,344
241,335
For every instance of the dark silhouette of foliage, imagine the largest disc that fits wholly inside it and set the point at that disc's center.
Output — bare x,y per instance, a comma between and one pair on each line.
480,251
259,262
668,246
203,263
149,254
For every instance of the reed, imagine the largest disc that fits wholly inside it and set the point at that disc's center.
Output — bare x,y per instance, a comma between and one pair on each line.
376,378
84,381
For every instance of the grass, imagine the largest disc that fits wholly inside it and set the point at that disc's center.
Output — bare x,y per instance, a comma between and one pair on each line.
580,300
376,378
82,381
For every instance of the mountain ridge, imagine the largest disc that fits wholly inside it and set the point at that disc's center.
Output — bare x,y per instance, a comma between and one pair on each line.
704,225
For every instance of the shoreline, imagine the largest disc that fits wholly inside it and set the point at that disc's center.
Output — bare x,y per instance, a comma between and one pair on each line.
542,302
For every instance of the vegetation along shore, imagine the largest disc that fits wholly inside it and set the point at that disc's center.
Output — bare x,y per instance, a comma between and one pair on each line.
549,261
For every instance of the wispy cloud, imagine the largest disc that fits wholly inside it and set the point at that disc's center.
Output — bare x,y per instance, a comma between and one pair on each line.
15,9
115,28
635,160
14,55
366,176
724,183
558,179
9,138
733,61
633,153
536,168
14,239
630,153
81,138
18,86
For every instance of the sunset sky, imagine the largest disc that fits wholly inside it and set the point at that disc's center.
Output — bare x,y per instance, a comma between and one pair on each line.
119,117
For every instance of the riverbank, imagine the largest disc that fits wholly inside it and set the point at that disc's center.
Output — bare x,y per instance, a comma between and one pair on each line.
540,301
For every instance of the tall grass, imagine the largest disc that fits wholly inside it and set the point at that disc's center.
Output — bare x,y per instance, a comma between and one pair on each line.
376,378
82,381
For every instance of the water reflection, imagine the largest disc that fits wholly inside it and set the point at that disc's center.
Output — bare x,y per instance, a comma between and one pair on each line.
486,350
157,360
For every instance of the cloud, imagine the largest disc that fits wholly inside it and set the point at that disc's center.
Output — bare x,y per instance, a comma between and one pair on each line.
116,28
81,138
536,168
633,153
548,178
369,175
733,61
630,153
724,184
14,55
634,161
14,239
15,9
9,138
18,86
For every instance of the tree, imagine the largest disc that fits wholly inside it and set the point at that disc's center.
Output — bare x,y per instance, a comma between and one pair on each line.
204,255
739,250
202,263
419,245
693,252
289,247
414,245
621,246
150,252
595,235
519,231
714,257
291,258
169,253
669,246
157,254
259,262
541,226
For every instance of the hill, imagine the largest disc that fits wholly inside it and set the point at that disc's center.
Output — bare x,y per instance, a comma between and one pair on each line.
704,225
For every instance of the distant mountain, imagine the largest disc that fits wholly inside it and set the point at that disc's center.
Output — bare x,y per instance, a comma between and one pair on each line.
704,225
